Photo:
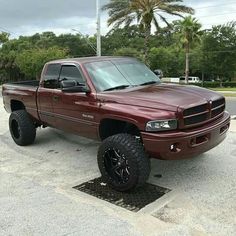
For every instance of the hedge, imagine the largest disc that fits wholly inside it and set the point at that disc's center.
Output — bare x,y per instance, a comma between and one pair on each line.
216,84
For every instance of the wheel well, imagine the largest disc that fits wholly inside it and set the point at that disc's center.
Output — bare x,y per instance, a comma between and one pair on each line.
17,105
109,127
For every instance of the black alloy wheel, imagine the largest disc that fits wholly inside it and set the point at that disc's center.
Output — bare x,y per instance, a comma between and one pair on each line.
123,162
116,165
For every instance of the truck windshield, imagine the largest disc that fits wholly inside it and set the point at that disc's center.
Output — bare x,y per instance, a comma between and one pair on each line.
119,74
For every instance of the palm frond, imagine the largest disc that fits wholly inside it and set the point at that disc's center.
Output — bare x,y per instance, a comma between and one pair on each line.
155,21
180,8
164,20
176,10
125,12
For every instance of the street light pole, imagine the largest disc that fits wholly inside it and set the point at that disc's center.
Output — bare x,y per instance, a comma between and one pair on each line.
98,28
87,41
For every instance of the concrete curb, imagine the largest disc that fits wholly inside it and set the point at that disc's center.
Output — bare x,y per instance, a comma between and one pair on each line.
232,92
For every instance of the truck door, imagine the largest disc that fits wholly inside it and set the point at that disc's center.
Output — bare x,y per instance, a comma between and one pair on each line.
49,82
75,112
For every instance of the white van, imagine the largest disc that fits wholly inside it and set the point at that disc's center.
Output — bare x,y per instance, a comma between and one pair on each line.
191,79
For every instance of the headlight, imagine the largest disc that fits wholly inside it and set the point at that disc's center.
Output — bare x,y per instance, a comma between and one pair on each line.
161,125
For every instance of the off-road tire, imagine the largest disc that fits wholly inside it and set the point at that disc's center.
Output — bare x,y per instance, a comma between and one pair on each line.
133,151
22,128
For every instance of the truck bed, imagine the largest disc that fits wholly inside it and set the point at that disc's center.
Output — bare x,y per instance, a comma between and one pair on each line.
32,83
18,94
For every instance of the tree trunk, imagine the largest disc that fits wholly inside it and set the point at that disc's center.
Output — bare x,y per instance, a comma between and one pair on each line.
146,43
220,79
187,64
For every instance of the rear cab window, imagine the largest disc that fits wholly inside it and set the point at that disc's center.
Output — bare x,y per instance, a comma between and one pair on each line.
50,79
55,73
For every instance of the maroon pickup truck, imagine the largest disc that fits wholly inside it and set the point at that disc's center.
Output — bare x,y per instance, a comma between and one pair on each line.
123,103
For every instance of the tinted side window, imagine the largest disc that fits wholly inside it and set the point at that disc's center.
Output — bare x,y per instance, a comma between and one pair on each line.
51,76
71,73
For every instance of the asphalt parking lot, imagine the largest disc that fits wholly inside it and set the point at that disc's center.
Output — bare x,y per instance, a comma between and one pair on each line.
37,195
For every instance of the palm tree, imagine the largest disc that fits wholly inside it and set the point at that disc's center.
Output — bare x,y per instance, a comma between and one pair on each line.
145,12
189,33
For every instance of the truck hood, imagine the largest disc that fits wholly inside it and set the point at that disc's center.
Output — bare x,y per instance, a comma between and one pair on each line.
162,96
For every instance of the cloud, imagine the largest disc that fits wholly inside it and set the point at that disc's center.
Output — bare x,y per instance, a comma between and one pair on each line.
218,12
26,17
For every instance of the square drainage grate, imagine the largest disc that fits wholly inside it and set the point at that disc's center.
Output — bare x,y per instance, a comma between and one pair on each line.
133,201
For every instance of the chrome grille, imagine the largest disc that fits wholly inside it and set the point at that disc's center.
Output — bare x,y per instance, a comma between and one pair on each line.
202,113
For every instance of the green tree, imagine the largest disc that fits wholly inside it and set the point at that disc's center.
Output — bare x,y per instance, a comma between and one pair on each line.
8,69
219,52
4,37
74,45
189,32
169,59
145,12
129,52
32,61
127,37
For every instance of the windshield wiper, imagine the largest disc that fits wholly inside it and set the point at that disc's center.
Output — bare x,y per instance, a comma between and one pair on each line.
150,82
117,87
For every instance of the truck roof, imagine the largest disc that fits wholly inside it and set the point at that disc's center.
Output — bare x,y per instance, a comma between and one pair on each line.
89,59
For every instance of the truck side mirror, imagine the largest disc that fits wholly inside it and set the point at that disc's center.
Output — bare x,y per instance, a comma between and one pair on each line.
159,73
68,83
70,86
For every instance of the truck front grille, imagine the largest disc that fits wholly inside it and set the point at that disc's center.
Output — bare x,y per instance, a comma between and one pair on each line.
195,119
218,107
195,110
203,113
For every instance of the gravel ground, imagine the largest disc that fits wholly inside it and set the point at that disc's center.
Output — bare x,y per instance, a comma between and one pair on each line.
36,195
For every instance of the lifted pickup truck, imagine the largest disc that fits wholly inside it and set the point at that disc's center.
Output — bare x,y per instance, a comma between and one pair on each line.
123,103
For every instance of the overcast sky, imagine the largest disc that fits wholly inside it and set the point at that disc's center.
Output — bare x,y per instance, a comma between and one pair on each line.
26,17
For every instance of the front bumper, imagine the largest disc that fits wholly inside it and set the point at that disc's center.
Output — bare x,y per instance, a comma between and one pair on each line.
183,144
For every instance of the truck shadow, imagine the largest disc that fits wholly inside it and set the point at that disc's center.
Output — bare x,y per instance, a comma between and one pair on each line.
176,174
50,135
